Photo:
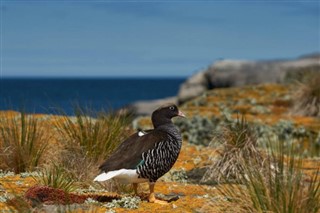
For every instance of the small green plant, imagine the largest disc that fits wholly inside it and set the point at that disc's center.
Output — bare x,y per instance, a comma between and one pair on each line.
88,138
23,142
307,97
57,177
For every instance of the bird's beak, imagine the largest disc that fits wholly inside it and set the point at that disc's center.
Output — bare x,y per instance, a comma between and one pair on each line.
181,114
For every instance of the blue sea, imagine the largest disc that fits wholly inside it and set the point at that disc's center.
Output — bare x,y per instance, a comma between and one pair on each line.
46,95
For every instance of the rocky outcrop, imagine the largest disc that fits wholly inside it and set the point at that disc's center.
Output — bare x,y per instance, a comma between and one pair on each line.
229,73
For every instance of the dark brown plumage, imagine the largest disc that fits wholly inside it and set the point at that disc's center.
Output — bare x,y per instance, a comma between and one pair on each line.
129,154
146,156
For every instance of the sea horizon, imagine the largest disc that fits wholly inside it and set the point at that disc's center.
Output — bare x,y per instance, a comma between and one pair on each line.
93,77
45,94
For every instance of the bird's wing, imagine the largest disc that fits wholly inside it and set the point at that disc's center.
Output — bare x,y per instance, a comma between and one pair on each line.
129,154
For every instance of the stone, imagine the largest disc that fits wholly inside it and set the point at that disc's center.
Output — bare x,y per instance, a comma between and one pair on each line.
193,87
147,107
230,73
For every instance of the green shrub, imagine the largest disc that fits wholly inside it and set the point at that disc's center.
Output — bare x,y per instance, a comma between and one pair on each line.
23,142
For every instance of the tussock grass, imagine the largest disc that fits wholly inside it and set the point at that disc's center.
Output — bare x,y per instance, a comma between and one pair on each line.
23,142
283,188
238,144
300,73
274,183
88,139
57,177
307,96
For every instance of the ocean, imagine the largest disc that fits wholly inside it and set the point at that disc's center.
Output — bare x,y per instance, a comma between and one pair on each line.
46,95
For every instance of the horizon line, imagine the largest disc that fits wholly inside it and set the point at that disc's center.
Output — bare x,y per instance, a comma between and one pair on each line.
94,77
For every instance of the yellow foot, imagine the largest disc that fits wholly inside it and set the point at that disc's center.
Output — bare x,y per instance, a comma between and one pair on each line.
162,202
152,199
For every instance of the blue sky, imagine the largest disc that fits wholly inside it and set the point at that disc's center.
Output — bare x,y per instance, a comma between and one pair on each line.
150,38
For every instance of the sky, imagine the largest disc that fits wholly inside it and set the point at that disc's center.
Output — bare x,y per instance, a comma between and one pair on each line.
52,38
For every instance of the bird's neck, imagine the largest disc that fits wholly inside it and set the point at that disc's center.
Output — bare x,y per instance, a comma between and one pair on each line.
172,130
160,122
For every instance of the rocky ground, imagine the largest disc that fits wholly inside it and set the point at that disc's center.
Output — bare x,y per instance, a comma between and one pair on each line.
266,108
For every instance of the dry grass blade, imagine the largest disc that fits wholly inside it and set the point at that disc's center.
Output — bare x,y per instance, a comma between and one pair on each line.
23,142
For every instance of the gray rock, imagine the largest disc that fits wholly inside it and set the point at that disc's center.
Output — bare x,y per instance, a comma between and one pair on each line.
193,87
229,73
147,107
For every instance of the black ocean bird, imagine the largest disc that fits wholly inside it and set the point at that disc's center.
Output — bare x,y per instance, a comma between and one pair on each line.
146,155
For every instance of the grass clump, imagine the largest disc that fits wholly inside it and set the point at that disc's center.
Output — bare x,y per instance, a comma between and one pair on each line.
300,73
282,188
57,177
307,97
238,143
23,142
88,138
274,183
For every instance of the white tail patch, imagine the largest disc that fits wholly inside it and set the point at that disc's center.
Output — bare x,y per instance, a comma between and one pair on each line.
123,175
106,176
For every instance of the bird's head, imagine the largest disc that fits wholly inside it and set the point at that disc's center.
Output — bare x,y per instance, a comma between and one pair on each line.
163,114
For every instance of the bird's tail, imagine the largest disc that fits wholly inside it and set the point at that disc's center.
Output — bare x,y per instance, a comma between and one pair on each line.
106,176
122,173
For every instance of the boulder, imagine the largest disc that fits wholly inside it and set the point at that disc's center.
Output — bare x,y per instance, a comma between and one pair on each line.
193,87
229,73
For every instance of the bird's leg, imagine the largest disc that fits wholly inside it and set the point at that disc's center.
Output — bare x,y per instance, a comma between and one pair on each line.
152,197
135,188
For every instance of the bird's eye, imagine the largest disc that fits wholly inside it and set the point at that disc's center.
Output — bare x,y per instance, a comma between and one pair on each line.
171,108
